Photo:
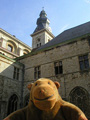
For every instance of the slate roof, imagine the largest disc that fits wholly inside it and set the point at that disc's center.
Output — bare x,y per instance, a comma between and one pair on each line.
65,37
69,34
42,22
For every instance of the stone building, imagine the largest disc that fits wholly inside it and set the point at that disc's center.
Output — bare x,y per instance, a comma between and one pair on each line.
11,78
64,58
11,73
11,46
43,33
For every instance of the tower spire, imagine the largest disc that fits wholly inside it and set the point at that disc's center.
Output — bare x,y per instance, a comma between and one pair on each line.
42,8
39,36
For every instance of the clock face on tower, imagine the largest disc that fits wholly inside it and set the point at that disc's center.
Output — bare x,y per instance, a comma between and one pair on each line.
42,33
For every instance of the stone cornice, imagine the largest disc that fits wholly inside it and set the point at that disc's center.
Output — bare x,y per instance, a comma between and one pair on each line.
12,37
42,31
5,50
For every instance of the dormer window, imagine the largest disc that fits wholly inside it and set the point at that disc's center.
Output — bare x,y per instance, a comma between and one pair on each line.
10,48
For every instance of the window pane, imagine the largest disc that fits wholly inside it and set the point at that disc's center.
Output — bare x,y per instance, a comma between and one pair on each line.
16,73
10,48
56,64
80,58
82,65
15,69
39,74
85,57
60,70
86,64
56,71
34,75
17,76
60,63
38,68
83,60
58,67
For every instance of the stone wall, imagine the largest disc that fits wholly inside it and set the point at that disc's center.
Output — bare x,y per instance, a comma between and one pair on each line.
18,47
72,76
8,85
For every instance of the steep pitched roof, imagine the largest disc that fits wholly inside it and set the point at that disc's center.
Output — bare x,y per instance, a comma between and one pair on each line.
42,22
69,34
65,37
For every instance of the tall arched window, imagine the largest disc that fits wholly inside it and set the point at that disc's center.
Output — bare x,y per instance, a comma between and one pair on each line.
79,96
12,105
10,48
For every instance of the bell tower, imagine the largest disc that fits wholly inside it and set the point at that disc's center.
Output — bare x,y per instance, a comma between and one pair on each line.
43,33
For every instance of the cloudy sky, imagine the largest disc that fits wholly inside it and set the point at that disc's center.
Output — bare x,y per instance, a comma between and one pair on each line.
18,17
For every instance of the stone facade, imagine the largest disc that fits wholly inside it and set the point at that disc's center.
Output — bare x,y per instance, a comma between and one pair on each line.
40,38
67,62
72,79
11,73
9,85
11,46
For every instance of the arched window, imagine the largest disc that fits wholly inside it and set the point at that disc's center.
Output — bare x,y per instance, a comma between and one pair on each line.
12,105
25,51
79,96
10,48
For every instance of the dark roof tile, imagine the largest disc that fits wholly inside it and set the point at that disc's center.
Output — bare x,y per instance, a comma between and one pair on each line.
68,35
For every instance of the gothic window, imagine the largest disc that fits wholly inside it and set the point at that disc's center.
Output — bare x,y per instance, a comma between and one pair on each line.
37,72
16,73
12,105
58,67
83,61
10,48
79,97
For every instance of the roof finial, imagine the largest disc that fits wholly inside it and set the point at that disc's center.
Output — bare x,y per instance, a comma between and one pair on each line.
42,8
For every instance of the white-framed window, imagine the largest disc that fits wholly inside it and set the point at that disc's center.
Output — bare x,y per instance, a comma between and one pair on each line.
16,73
58,67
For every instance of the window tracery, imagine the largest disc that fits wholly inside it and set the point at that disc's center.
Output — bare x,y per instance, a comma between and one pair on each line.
12,105
79,97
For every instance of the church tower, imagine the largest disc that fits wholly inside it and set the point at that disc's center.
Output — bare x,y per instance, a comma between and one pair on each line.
42,34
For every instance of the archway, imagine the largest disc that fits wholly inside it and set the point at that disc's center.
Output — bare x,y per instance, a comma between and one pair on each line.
12,104
79,96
